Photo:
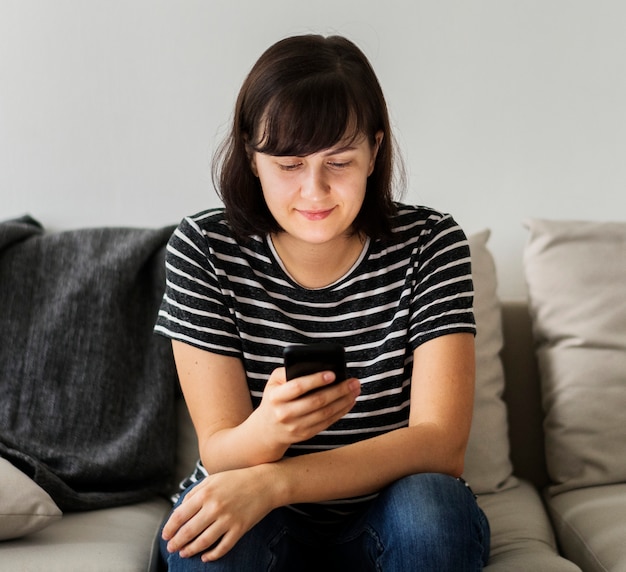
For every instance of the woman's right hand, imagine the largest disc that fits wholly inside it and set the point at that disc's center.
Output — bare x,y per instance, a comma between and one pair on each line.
297,410
232,434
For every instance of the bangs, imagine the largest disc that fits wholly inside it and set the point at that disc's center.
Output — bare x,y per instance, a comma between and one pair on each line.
310,116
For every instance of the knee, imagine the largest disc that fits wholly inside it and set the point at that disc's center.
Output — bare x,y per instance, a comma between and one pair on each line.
434,518
428,500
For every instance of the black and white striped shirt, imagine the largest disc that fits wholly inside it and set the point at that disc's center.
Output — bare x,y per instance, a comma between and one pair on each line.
237,299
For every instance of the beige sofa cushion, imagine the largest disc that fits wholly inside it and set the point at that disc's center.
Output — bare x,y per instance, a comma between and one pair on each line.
590,524
24,506
487,464
576,275
120,539
521,536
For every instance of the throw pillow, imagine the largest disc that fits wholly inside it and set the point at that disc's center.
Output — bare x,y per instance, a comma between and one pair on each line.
24,506
488,468
576,275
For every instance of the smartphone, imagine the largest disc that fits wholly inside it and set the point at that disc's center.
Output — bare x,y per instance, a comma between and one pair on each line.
312,358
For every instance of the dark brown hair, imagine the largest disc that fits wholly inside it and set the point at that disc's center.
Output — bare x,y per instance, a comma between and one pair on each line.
302,96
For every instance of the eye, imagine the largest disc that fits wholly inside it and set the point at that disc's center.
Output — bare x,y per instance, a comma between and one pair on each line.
289,166
339,164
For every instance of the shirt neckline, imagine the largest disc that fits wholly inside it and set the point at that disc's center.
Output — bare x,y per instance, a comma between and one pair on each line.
278,260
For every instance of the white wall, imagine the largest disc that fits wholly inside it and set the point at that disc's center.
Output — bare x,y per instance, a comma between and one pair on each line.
505,109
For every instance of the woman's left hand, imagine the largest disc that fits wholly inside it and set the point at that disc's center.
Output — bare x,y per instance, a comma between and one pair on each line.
216,513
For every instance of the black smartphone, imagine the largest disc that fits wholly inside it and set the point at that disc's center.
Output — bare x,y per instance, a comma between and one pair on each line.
312,358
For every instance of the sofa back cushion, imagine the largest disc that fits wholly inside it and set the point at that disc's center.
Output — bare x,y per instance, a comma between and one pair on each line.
487,463
576,275
522,394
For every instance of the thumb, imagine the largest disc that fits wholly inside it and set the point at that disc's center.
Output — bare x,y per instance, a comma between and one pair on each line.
278,377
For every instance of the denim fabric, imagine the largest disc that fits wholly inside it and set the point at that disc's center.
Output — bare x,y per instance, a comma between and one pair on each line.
425,522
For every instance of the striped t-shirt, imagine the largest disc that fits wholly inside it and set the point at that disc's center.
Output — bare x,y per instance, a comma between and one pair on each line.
237,299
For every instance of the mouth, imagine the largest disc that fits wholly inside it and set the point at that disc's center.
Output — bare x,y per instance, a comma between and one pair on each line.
314,215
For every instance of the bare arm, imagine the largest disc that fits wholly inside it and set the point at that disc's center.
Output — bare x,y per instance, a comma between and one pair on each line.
435,441
442,394
231,434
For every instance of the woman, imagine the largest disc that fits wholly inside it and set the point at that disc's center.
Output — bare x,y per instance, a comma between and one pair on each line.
358,475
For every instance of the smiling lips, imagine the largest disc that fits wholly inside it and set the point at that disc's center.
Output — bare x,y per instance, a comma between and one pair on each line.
316,215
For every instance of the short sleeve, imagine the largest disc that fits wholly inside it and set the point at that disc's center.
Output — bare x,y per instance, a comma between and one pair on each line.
443,292
196,308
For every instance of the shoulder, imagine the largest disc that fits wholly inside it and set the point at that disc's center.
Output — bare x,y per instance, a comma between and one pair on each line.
207,231
211,221
415,223
418,216
207,238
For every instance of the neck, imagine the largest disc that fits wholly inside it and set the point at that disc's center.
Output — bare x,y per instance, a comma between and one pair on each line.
317,265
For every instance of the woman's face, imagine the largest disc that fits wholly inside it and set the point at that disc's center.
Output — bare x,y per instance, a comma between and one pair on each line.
316,198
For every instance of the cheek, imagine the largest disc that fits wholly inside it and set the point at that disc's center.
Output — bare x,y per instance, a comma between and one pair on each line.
277,189
359,188
274,199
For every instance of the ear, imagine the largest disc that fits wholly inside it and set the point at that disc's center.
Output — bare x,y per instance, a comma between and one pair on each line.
378,138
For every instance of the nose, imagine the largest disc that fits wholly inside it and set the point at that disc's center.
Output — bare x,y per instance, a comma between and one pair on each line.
315,185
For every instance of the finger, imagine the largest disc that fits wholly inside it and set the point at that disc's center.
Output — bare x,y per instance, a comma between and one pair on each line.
179,517
341,398
222,547
184,538
324,408
329,396
188,520
309,383
209,539
277,377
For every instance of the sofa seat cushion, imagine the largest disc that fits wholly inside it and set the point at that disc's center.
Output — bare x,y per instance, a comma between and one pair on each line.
590,525
120,539
521,535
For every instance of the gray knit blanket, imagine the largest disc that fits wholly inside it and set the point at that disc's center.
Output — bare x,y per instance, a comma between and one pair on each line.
87,391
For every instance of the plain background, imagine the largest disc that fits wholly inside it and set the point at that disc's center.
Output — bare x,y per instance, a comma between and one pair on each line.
110,110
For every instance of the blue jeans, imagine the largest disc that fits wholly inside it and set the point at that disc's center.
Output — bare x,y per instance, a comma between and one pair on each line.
424,522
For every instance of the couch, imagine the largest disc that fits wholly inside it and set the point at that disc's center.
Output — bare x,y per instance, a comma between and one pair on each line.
94,433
